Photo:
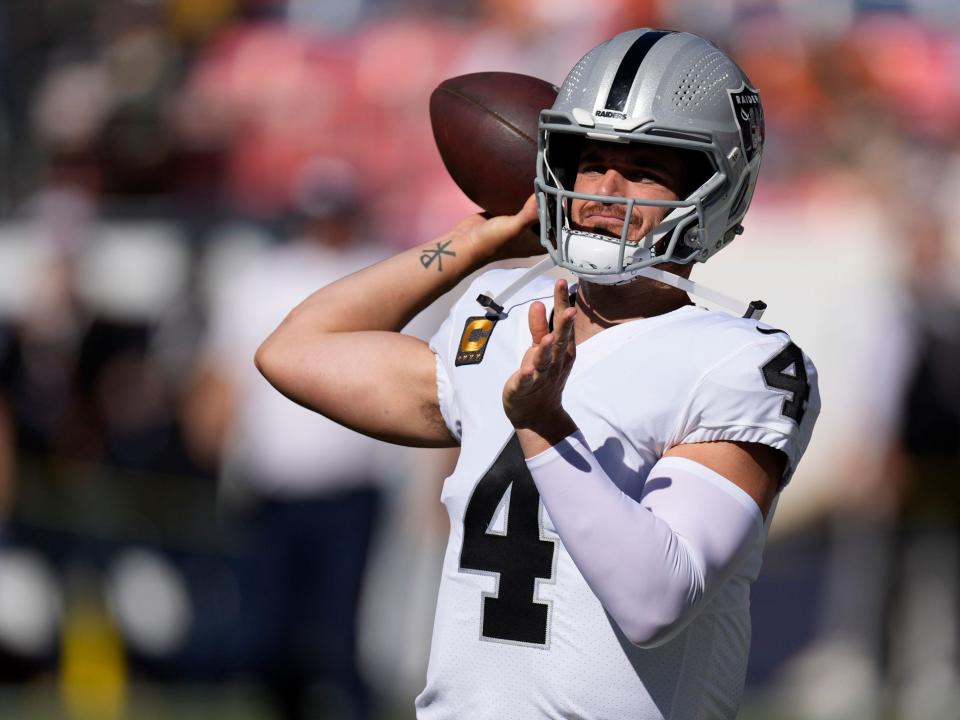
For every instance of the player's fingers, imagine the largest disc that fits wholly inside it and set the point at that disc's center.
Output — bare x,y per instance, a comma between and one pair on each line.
528,213
561,297
567,332
537,317
515,224
502,231
567,318
527,361
530,362
563,322
543,353
561,301
522,378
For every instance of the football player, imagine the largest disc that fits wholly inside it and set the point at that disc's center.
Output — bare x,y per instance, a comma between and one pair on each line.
621,449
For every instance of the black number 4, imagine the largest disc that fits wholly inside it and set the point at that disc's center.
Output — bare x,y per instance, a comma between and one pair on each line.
519,556
795,383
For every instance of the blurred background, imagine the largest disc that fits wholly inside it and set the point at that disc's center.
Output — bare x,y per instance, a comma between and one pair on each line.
176,540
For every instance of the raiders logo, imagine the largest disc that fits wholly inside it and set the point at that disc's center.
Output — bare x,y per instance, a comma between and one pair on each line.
749,114
473,342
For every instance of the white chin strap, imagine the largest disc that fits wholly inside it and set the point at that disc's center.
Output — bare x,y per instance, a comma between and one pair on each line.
753,310
497,303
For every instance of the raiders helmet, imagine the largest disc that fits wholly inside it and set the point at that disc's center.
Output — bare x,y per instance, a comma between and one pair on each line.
671,89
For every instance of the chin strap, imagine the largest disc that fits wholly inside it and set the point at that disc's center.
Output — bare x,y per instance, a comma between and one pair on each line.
670,222
496,304
754,309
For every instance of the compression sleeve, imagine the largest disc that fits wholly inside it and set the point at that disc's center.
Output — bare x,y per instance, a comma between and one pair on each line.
653,564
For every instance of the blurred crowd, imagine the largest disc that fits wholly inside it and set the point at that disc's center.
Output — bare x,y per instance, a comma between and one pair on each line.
176,174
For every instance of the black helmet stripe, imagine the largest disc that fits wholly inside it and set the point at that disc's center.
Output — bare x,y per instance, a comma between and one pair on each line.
627,72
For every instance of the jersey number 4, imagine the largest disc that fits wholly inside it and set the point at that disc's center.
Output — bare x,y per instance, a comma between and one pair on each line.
786,371
514,551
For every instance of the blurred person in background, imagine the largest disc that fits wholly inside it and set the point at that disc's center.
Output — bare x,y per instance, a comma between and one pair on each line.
89,397
887,634
59,221
923,462
303,491
90,316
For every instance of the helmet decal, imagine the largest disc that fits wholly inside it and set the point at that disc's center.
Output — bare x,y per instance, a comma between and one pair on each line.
629,66
749,114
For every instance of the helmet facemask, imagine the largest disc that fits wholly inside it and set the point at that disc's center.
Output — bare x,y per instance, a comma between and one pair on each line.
600,257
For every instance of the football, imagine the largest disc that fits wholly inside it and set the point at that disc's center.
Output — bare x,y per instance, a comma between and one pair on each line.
485,127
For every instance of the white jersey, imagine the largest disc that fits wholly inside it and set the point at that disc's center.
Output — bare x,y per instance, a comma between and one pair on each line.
518,633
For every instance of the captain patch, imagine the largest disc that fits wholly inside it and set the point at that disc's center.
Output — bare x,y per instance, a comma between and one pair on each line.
473,342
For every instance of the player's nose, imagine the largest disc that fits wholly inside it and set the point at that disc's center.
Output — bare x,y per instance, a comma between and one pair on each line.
612,183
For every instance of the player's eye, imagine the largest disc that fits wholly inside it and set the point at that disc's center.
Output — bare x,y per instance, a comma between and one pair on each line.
643,175
593,169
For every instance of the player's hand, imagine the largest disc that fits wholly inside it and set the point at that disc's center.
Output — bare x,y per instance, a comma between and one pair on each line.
505,236
532,396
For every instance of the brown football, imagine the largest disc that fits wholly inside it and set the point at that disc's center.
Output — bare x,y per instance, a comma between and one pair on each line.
485,126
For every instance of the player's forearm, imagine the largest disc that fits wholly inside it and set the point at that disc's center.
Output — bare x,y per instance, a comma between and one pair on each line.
387,295
652,564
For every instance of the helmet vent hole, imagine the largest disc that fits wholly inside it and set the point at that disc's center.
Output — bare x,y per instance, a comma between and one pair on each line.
701,87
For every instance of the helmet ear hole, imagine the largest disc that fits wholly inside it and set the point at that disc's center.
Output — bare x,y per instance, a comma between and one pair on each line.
699,168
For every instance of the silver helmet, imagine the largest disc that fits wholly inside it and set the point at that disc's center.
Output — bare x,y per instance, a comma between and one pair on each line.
669,89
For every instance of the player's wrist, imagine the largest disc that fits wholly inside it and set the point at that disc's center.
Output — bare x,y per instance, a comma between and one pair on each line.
508,237
455,253
539,434
524,245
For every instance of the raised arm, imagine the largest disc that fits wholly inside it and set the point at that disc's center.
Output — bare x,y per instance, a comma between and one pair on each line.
340,352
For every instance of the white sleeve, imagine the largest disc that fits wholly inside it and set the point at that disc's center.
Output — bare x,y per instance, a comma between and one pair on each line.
440,343
653,564
756,394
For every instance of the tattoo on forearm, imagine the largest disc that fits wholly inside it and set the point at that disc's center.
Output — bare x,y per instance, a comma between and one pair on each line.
428,256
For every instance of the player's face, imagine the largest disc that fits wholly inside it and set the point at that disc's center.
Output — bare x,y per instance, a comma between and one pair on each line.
629,171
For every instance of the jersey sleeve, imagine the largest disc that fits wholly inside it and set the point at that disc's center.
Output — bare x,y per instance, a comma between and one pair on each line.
442,345
765,392
445,342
